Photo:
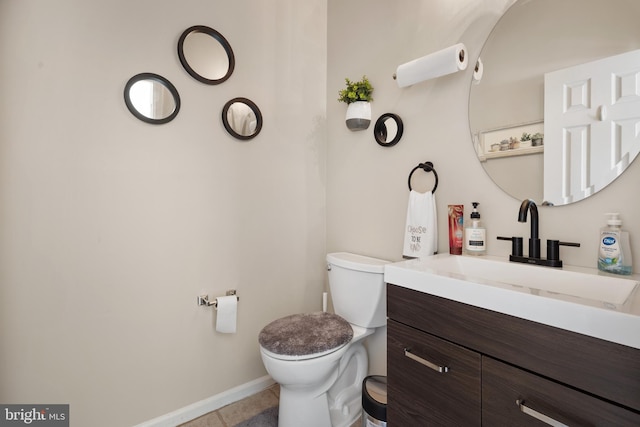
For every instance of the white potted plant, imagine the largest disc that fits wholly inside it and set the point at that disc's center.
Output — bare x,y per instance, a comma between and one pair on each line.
357,96
537,139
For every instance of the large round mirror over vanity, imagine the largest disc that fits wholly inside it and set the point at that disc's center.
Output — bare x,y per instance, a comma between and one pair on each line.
554,68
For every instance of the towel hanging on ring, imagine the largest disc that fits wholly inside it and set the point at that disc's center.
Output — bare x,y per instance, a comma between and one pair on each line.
421,229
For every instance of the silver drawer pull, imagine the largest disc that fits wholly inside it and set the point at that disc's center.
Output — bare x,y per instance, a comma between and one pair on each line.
441,369
538,415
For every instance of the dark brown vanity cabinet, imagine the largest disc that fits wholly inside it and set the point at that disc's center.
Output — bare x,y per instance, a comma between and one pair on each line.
454,364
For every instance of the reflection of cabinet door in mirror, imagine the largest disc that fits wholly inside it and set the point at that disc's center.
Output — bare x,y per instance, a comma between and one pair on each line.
388,130
516,57
152,98
206,54
593,112
242,118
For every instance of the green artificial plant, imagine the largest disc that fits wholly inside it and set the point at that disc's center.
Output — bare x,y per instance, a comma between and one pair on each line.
356,91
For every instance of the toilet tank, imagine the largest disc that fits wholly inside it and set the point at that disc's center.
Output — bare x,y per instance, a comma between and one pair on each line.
358,291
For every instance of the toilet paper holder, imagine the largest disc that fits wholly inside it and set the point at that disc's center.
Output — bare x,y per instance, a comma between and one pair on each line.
204,299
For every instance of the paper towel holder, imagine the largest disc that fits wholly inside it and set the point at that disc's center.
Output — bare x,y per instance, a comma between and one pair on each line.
204,299
460,57
437,64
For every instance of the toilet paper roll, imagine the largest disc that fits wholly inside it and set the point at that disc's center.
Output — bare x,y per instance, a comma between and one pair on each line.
226,314
477,72
440,63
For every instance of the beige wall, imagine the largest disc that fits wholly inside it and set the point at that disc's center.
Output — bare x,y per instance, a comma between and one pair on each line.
367,184
111,227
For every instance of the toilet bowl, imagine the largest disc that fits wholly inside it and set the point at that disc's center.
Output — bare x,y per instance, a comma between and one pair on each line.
319,359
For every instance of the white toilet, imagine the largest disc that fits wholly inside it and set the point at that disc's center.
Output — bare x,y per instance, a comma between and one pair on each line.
319,359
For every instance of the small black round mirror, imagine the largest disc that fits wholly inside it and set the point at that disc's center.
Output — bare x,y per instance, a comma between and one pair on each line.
388,129
206,55
242,118
152,98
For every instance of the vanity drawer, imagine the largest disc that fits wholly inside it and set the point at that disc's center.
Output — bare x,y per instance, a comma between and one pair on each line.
430,381
503,386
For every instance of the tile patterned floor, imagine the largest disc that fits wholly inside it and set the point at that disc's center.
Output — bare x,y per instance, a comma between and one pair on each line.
243,410
238,412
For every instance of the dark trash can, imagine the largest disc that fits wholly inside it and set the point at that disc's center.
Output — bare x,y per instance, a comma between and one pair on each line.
374,401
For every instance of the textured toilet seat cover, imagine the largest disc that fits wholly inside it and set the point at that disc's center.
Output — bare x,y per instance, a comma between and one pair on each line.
304,334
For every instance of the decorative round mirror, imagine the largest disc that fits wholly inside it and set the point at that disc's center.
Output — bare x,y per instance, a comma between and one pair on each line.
544,65
388,129
241,117
152,98
206,54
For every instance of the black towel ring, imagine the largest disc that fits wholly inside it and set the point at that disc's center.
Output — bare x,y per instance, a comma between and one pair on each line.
427,167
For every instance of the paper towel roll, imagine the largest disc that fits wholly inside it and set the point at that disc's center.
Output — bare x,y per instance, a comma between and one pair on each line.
477,71
440,63
226,314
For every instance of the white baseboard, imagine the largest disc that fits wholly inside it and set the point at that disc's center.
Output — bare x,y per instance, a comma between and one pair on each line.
212,403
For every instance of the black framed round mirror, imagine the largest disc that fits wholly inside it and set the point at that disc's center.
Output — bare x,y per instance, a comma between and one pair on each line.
206,54
388,129
242,118
152,98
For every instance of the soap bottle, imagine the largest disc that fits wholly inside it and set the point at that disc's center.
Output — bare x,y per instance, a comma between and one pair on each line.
475,235
614,249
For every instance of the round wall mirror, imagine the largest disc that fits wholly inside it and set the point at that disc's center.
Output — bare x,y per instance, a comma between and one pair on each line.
538,38
206,54
152,98
388,129
242,118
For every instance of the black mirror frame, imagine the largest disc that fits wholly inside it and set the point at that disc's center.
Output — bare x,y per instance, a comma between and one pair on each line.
166,83
220,39
254,108
380,130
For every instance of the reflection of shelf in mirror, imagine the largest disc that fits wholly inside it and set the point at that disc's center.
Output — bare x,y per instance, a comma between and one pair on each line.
510,153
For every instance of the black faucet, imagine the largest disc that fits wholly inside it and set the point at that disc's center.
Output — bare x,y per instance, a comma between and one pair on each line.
553,246
534,241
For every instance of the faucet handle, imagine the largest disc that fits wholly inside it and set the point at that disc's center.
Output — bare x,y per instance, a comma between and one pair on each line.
516,244
553,248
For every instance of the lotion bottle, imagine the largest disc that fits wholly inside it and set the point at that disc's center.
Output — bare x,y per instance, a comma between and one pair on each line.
475,235
614,249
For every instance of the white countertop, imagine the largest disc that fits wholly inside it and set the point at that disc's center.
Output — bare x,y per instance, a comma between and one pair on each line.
616,323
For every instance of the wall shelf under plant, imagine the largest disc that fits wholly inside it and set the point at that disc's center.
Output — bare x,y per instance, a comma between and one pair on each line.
513,152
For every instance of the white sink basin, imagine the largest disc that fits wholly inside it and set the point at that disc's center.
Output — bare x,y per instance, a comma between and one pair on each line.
570,282
577,299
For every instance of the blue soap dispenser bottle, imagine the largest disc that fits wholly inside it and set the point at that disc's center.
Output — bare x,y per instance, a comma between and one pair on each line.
614,249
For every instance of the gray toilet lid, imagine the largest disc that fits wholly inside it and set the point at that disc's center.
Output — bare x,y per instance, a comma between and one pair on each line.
304,334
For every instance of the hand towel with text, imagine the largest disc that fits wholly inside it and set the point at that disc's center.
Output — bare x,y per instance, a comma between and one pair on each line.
421,231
